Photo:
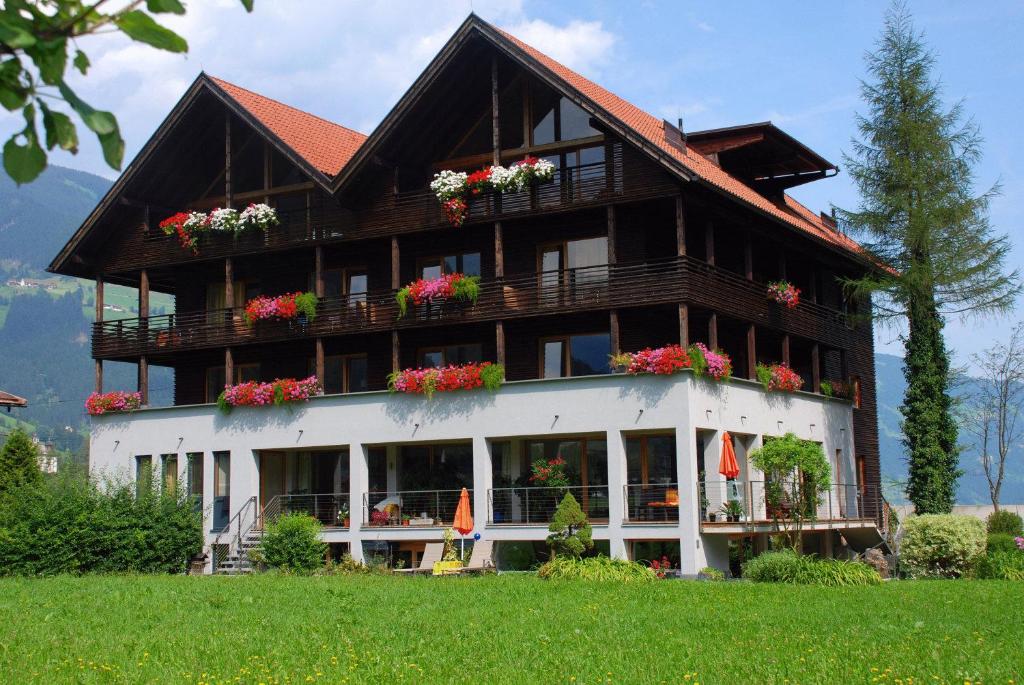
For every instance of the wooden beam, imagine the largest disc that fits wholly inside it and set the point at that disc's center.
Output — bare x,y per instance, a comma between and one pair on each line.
815,368
709,242
499,341
143,294
144,379
320,359
713,331
526,115
227,159
396,282
318,271
751,352
610,215
99,298
99,375
748,256
499,250
396,360
613,323
785,349
684,325
291,188
229,366
680,226
495,120
229,283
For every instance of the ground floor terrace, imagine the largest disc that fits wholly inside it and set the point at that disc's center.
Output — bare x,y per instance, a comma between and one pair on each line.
383,473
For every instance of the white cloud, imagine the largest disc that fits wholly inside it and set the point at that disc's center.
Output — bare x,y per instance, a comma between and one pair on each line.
705,27
585,46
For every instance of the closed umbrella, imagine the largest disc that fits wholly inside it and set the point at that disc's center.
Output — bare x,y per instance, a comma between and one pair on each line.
463,518
728,466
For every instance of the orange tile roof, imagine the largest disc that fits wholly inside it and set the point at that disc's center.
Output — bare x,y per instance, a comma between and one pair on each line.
323,144
652,129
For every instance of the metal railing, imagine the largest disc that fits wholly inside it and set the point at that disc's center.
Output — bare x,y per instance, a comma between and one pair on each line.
413,508
761,501
331,508
229,539
652,502
536,505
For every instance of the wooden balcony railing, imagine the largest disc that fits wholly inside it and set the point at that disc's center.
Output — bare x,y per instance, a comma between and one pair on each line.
622,175
669,280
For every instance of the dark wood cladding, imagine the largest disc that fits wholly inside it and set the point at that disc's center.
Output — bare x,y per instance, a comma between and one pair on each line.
323,220
663,281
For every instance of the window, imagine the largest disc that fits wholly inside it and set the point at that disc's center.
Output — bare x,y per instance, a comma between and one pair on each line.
435,267
143,473
221,489
170,472
576,355
573,264
557,118
343,283
194,475
343,373
450,355
651,459
586,466
435,467
377,469
215,378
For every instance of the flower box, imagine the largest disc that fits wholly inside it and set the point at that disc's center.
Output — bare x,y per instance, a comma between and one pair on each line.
277,392
779,378
454,188
661,361
454,286
190,226
447,378
785,293
115,401
708,363
282,307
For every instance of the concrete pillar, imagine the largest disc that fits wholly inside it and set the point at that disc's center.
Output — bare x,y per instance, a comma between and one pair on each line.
358,480
482,480
689,525
616,496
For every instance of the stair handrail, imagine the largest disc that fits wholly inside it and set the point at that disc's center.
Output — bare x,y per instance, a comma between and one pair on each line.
236,523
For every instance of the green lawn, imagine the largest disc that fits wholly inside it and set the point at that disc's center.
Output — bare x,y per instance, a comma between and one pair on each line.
507,629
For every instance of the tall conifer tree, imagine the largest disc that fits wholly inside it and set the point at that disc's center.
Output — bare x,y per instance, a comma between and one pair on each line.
922,218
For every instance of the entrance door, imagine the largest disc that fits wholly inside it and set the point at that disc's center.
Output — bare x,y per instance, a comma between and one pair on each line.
272,477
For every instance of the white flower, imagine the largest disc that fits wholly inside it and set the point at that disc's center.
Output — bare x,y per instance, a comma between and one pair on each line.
503,179
196,222
449,184
260,216
223,219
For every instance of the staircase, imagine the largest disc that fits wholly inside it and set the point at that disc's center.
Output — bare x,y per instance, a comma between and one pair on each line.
232,547
238,561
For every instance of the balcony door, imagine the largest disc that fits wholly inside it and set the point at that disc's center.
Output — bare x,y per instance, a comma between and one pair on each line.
272,477
573,270
221,490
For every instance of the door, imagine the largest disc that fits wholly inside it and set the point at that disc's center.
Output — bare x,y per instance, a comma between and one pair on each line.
272,466
221,490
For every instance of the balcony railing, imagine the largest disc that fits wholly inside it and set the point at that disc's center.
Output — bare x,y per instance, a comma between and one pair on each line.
751,502
659,281
412,508
536,506
652,503
331,509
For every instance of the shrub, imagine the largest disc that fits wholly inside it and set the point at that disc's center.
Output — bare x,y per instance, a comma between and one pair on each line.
1000,542
19,461
789,567
1001,565
941,545
1003,521
710,573
600,568
293,544
81,526
570,530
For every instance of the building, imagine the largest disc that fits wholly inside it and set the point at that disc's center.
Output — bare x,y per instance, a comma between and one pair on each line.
646,236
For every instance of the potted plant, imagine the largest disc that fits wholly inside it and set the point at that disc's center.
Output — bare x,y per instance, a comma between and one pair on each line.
732,510
405,519
343,516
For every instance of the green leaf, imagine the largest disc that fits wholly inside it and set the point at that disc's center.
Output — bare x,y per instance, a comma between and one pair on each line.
13,93
100,123
81,62
139,26
60,130
159,6
113,148
15,33
247,4
24,163
51,58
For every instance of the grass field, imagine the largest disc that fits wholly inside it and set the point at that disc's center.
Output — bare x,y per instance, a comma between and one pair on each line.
506,629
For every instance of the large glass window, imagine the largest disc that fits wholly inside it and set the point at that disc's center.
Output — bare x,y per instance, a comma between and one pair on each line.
586,466
215,378
195,479
467,263
343,373
557,118
348,283
221,489
143,473
435,467
651,460
450,355
576,355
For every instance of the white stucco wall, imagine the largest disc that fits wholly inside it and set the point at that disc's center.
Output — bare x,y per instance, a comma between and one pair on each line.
612,405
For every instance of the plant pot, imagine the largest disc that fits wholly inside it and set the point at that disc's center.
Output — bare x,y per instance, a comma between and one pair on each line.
405,522
734,518
344,523
712,518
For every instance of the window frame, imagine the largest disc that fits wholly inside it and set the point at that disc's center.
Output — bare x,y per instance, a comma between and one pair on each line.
238,377
443,349
566,341
645,456
346,376
421,262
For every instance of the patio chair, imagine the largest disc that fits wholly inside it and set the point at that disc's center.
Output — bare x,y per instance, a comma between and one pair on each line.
431,553
482,557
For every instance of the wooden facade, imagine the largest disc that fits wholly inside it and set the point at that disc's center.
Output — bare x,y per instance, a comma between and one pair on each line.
684,261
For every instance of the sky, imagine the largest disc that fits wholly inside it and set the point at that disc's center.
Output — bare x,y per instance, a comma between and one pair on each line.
797,64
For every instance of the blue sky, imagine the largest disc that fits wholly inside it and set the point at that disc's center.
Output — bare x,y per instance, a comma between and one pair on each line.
715,64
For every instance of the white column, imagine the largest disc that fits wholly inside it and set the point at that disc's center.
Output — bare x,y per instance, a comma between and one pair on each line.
392,459
482,479
715,482
691,554
616,503
358,480
755,491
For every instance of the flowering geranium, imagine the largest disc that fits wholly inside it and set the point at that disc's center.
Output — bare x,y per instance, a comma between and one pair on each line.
117,400
452,188
784,293
277,392
286,306
1020,542
447,378
712,363
661,567
223,219
661,361
549,473
187,226
455,286
261,216
779,378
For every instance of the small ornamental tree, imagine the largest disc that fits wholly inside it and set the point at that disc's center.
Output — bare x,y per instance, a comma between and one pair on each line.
19,461
796,473
570,530
293,544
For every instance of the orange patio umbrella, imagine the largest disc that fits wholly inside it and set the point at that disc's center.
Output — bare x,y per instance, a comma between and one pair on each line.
463,517
728,466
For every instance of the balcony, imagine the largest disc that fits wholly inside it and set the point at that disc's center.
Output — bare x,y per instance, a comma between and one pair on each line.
330,509
728,504
536,505
411,508
667,280
651,503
